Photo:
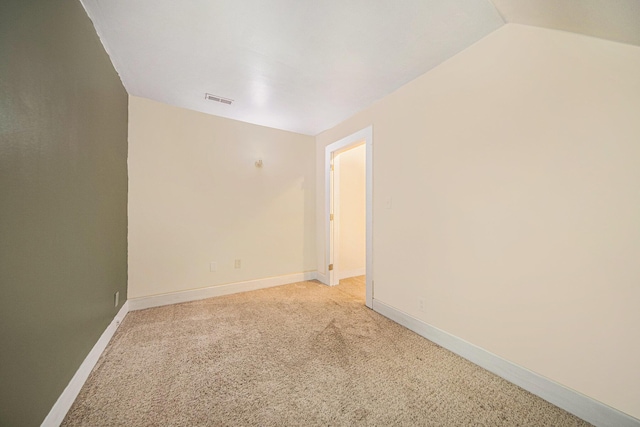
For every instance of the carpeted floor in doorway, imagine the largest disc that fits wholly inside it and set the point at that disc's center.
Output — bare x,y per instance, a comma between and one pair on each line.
300,354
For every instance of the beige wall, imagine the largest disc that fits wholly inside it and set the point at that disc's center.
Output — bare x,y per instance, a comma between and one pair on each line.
514,178
351,213
195,197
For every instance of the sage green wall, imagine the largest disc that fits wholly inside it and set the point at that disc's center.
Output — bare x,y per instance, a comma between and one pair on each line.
63,200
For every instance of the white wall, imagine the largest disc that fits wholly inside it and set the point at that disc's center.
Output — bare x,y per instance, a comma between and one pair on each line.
515,187
195,197
350,168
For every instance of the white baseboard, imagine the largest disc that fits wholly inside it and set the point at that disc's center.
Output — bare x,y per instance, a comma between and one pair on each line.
323,278
216,291
68,396
345,274
590,410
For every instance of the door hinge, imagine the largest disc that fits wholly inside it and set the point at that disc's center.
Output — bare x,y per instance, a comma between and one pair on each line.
330,267
330,217
332,167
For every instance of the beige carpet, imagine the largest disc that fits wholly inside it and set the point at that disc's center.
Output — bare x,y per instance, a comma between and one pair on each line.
300,354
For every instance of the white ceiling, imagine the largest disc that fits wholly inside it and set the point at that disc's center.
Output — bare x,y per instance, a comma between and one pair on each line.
306,65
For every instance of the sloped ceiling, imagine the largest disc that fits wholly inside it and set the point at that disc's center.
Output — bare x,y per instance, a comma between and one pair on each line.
616,20
306,65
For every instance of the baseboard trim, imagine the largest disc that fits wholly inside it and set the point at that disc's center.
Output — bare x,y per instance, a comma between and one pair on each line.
68,396
216,291
345,274
321,277
587,408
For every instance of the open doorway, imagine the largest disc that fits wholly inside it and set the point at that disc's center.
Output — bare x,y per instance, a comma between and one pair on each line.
349,212
335,268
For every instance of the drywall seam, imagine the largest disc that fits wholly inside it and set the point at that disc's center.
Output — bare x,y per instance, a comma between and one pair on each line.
590,410
219,290
68,396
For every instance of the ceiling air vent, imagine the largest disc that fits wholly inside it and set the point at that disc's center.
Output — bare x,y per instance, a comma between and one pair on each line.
217,98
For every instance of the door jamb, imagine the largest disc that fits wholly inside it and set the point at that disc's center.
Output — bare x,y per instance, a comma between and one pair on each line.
354,139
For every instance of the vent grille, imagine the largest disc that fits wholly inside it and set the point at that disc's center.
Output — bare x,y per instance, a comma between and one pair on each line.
217,98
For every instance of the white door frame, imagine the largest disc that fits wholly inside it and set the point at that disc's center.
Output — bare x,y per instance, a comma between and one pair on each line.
334,148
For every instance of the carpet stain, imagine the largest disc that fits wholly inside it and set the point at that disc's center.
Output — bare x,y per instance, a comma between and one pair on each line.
303,355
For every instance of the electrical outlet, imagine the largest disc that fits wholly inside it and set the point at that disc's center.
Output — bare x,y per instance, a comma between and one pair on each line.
116,299
213,266
238,263
422,305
